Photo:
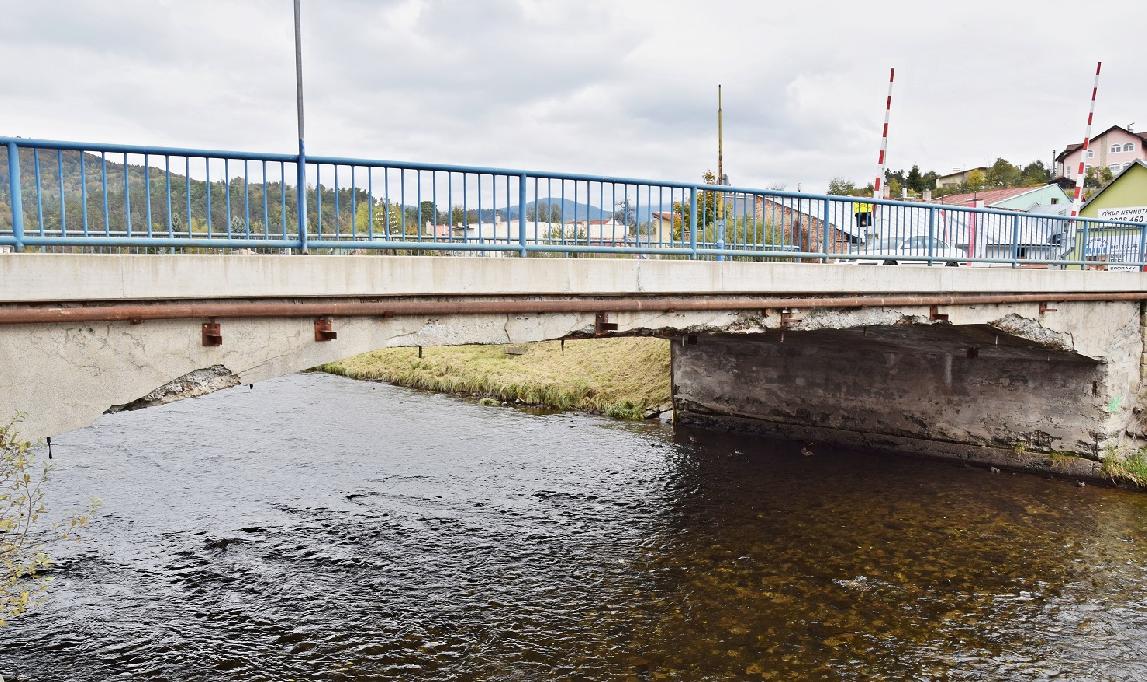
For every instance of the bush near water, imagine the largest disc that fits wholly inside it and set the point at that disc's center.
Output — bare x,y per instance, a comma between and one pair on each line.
624,378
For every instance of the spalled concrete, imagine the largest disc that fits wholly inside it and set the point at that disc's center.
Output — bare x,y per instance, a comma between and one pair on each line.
999,384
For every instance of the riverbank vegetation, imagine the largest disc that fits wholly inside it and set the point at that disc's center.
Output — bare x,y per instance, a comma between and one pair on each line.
1131,469
22,561
626,378
23,537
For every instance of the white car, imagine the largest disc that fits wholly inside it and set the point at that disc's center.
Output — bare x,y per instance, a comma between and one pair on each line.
896,250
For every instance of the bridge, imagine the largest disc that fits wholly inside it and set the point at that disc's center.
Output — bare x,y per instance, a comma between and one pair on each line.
139,275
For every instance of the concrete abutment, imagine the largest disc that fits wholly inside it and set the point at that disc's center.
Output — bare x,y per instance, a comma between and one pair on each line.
1029,387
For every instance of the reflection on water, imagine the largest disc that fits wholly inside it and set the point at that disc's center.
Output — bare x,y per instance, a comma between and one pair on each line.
321,528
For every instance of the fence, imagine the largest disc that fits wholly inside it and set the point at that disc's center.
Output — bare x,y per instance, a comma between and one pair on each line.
68,196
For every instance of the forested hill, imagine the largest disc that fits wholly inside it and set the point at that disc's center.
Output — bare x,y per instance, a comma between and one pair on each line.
83,178
87,174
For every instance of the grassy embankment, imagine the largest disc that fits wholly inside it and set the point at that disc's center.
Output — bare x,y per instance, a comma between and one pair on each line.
1132,469
620,378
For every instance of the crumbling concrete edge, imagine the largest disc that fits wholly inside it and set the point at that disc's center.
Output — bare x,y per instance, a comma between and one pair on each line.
1069,466
191,385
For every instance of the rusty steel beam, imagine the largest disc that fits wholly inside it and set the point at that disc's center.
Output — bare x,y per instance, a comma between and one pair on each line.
136,312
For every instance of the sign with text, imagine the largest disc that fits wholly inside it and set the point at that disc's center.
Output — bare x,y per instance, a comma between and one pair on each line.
1119,247
1127,214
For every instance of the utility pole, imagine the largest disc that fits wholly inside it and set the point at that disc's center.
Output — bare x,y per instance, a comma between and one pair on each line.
301,179
720,140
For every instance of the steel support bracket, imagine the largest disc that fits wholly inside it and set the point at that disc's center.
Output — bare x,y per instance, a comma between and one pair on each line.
212,334
789,316
601,324
324,331
935,315
1046,308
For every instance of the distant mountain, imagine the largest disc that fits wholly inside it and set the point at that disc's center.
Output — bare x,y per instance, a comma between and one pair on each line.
568,208
571,210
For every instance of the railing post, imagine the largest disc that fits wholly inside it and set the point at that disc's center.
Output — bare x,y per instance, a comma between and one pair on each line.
301,197
1015,241
522,215
1086,239
1142,243
823,230
16,198
693,223
931,234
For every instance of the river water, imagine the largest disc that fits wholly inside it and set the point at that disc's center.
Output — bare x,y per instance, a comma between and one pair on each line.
321,528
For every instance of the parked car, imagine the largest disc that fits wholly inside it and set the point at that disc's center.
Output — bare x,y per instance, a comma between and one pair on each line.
896,250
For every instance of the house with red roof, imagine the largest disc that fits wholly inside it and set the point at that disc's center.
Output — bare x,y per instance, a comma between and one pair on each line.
1116,148
1010,198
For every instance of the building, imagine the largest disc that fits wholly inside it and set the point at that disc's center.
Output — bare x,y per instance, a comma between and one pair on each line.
1115,148
957,178
1125,200
1012,198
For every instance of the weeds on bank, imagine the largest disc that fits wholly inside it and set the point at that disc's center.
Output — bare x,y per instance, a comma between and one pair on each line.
1131,469
620,378
23,560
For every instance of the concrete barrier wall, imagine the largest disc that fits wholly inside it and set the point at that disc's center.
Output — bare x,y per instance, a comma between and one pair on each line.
67,277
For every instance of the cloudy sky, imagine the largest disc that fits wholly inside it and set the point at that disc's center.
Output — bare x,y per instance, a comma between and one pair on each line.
619,87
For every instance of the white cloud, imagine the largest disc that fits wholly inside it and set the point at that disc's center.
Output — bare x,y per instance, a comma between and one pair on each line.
622,88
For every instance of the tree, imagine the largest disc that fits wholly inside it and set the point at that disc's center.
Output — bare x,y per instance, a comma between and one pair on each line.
915,180
1097,177
842,187
976,180
1003,174
22,556
387,219
624,213
706,208
1035,173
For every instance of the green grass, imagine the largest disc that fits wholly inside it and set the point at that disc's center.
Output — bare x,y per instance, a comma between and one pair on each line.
619,378
1130,469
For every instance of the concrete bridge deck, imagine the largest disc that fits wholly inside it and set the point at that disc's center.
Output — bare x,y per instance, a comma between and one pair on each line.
1016,366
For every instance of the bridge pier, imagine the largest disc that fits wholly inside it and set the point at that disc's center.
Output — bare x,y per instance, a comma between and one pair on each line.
1017,386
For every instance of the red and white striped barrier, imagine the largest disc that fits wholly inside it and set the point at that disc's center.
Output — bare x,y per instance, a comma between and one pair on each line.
1077,200
878,186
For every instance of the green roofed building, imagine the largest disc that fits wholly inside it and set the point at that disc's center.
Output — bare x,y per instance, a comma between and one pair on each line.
1123,199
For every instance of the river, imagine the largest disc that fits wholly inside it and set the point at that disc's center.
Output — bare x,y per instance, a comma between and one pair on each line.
316,527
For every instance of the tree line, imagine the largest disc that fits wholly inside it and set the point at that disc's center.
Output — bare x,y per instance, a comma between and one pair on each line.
71,193
1002,173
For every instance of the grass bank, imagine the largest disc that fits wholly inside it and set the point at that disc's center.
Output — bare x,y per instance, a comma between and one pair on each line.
622,378
1130,470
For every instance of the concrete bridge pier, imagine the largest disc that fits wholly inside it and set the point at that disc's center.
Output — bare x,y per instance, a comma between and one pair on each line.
1046,387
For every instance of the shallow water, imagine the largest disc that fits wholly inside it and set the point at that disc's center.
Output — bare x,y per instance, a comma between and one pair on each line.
321,528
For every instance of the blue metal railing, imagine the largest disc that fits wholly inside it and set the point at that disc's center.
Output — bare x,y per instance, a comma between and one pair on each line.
164,199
